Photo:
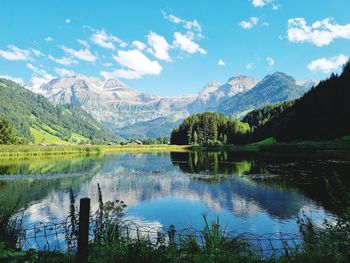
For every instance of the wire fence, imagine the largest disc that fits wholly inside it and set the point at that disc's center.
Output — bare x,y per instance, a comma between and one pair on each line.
63,237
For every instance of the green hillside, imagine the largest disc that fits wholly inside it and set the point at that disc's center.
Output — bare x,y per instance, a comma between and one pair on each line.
321,114
275,88
39,121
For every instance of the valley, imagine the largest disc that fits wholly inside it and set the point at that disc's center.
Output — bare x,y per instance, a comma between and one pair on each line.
130,114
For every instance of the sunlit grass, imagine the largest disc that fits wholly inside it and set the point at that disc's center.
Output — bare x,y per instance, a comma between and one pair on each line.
41,136
18,151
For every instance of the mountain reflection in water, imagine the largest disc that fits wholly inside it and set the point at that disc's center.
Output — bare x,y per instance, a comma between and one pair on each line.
248,193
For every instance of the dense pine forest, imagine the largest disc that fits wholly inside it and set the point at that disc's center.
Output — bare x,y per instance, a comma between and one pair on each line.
321,114
209,128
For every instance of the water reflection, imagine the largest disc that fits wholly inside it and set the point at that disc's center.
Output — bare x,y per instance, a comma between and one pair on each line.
167,188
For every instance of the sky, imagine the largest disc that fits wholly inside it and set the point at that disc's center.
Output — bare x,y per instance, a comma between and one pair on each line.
171,48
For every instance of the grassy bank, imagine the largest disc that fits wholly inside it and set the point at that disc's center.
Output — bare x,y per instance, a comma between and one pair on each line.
18,151
267,145
271,145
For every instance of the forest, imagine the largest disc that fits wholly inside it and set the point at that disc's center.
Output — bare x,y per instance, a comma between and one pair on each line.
209,128
25,111
320,114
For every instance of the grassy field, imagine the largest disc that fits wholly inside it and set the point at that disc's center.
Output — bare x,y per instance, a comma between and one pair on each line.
270,144
62,147
15,151
41,136
268,141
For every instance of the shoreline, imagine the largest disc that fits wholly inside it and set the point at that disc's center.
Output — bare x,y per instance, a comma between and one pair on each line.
19,151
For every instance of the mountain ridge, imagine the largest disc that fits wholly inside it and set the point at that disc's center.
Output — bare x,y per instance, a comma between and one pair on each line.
32,114
119,107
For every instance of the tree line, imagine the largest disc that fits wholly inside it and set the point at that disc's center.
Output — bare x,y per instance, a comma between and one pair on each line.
209,128
8,135
321,114
24,109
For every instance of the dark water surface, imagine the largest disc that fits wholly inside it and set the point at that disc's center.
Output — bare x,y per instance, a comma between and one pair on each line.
249,193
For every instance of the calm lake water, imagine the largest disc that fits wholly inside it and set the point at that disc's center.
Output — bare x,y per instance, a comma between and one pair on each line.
249,192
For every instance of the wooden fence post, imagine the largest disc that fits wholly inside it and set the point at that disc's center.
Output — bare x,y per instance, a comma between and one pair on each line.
83,234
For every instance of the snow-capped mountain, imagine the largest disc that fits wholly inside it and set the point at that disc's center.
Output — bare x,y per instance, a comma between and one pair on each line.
307,83
122,109
277,87
112,102
214,93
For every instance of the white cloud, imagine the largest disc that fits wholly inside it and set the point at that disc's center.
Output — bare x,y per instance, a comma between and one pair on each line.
83,54
250,23
14,79
64,72
68,21
270,61
48,39
37,53
187,24
249,66
36,81
107,64
40,76
160,47
120,73
186,43
136,64
172,18
139,45
320,33
260,3
102,39
221,62
193,25
327,65
84,43
63,60
15,53
276,6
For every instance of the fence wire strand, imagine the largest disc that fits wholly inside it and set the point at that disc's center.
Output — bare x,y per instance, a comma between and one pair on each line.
62,236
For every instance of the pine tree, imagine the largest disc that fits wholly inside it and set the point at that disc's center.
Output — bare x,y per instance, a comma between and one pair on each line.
7,133
195,138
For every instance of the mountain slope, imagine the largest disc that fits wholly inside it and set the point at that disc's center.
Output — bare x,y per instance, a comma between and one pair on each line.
160,127
322,113
111,102
214,93
31,113
274,88
133,114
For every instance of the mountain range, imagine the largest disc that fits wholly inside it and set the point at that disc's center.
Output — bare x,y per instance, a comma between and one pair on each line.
37,120
132,114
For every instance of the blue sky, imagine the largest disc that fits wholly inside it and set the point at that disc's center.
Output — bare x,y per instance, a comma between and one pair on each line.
172,47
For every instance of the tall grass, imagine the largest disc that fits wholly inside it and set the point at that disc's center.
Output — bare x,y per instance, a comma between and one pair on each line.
114,243
10,229
13,151
16,151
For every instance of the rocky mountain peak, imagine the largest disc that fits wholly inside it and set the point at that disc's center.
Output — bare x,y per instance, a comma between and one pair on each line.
307,83
114,83
211,86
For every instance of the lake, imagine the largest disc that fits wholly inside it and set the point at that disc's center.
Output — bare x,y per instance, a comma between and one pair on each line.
248,192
